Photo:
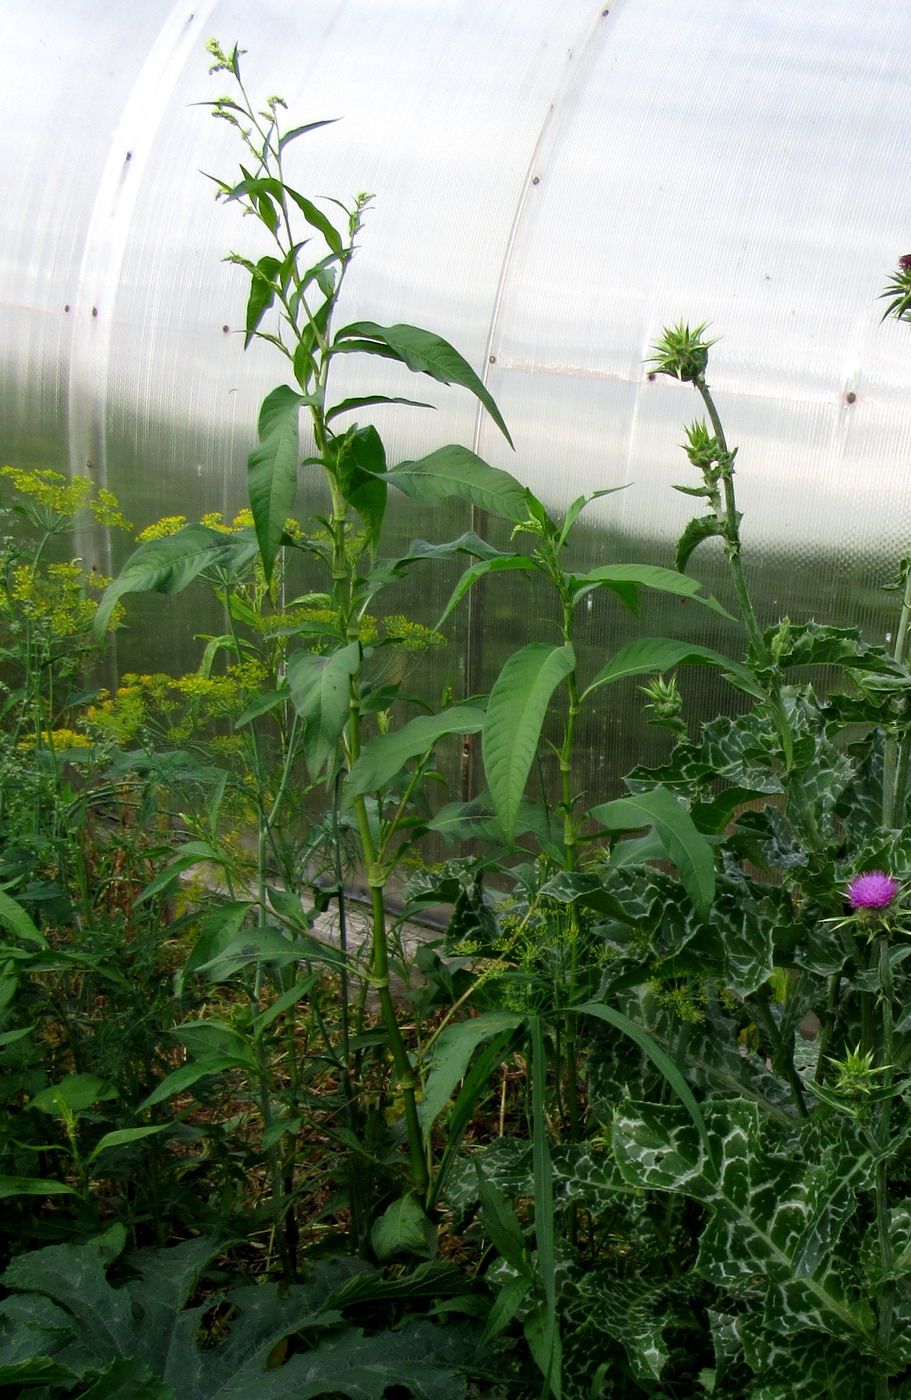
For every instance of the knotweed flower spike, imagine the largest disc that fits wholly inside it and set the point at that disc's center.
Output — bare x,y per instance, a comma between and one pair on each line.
873,890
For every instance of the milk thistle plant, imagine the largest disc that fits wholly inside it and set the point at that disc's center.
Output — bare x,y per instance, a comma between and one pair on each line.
831,1311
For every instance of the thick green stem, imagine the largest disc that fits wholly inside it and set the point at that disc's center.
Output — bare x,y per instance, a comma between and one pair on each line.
828,1027
895,756
730,523
379,963
886,1305
732,528
570,844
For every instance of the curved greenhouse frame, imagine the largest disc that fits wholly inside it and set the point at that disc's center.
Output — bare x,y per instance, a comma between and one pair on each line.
553,184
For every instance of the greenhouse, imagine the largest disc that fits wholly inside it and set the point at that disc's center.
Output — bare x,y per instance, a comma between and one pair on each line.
455,701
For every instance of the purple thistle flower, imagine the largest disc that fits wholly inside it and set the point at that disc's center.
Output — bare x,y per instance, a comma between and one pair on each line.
872,890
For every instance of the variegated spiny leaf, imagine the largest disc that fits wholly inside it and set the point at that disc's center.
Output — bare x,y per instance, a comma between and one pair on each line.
767,837
616,1068
598,1305
803,1365
774,1217
743,751
587,1176
817,644
506,1163
744,929
718,1067
726,1344
648,904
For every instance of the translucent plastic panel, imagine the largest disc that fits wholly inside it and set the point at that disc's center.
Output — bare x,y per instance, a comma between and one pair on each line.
554,181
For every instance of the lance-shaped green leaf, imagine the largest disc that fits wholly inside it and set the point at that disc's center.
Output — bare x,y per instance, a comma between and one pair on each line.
476,571
320,692
33,1186
625,580
455,471
255,187
387,570
577,508
451,1055
423,353
515,715
121,1136
386,754
683,843
366,400
358,460
272,469
660,654
776,1216
168,565
15,918
262,293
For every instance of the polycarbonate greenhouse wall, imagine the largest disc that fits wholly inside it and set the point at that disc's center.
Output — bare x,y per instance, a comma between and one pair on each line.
554,181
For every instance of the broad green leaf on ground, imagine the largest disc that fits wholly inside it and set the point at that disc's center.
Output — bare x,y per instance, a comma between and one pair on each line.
320,692
423,1358
685,846
456,471
404,1228
128,1380
775,1217
272,469
167,565
423,353
386,754
515,715
660,654
146,1322
625,580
